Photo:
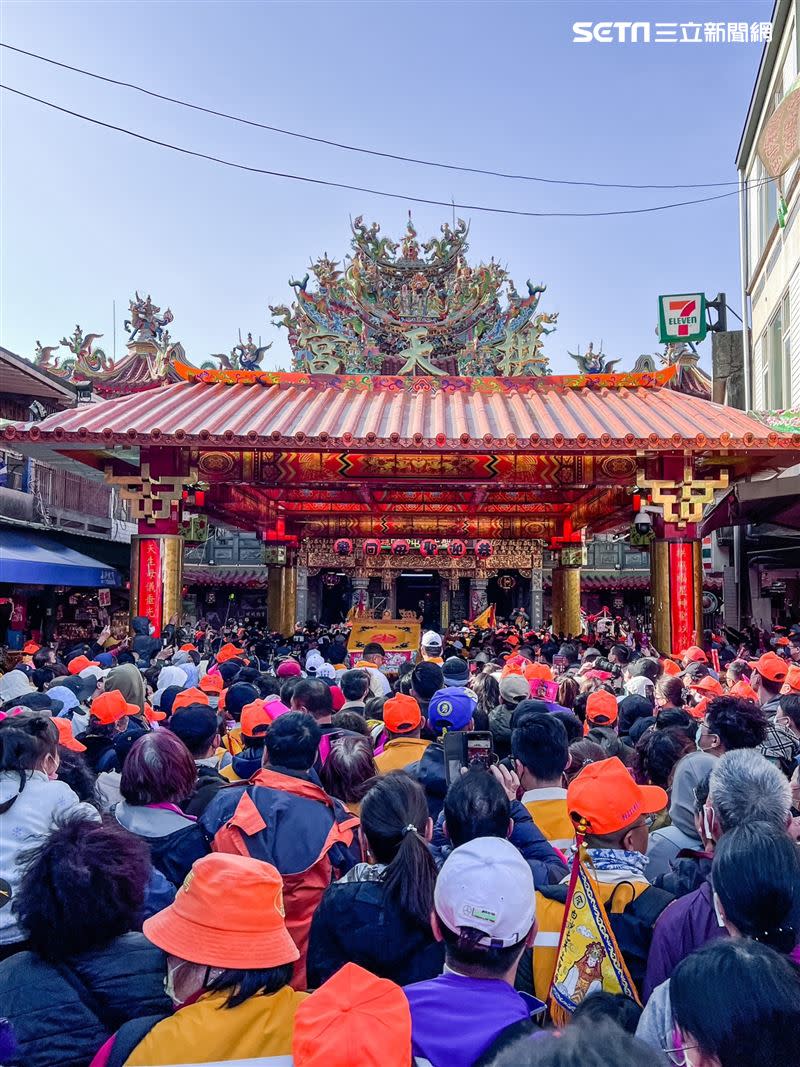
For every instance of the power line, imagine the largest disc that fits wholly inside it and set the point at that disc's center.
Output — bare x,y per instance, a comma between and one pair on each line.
349,147
360,188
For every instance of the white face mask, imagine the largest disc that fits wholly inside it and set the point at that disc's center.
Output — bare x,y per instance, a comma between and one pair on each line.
718,911
708,822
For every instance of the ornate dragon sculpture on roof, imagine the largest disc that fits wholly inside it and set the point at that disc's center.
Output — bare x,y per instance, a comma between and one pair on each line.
412,307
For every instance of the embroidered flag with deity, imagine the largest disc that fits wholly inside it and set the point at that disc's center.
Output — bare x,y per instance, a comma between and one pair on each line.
588,957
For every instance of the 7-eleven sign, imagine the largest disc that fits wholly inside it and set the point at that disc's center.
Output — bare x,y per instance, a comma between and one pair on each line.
682,318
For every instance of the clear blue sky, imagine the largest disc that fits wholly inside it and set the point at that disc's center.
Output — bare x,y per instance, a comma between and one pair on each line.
89,215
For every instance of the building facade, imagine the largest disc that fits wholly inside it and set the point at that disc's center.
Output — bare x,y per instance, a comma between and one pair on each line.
770,234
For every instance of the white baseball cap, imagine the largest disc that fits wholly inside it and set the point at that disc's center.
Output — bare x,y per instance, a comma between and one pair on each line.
486,885
430,639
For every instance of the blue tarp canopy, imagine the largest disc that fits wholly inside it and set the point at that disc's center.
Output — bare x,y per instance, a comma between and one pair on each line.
36,559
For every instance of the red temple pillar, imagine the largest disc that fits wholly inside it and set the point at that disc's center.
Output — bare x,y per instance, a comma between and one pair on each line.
157,573
676,578
157,549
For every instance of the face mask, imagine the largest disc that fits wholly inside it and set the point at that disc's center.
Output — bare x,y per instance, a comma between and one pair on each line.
151,629
718,911
698,736
708,822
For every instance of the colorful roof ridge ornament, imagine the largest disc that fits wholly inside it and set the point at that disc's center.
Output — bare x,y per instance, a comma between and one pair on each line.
148,363
654,379
413,308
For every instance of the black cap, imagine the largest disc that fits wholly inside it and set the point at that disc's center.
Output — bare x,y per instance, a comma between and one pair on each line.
426,679
455,670
36,702
83,688
194,724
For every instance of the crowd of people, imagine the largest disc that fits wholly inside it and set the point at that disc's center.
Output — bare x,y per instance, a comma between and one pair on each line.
231,845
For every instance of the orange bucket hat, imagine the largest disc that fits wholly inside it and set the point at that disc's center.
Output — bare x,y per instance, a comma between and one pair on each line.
669,666
354,1018
228,913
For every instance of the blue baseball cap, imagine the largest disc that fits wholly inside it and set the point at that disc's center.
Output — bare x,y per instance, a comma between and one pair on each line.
451,708
105,659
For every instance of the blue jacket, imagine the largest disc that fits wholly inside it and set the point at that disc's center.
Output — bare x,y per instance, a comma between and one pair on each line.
543,860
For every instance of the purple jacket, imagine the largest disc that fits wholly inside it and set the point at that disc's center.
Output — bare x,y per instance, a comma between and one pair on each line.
454,1019
685,925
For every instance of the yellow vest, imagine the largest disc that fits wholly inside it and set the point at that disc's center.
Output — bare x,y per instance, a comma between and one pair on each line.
207,1032
399,753
548,809
550,917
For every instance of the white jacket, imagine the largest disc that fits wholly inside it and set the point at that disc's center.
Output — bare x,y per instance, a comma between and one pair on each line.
24,826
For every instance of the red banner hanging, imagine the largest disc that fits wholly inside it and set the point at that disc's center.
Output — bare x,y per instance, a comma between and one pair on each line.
151,581
681,595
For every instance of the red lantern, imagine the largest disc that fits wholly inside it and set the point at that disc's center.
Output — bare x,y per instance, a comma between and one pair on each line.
483,549
400,547
372,547
456,549
343,547
429,547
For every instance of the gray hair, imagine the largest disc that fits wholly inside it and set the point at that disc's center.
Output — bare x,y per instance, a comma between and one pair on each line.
744,786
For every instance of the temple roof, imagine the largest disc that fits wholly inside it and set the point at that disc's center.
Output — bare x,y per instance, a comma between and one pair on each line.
251,409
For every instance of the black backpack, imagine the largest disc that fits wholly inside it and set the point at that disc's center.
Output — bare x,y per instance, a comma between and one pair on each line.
632,927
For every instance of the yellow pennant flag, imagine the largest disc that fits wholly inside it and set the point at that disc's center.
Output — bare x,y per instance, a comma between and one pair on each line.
486,620
588,956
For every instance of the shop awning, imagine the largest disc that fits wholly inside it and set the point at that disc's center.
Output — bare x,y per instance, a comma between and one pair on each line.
774,500
36,559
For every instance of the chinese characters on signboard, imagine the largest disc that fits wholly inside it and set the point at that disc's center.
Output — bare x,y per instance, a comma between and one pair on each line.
150,581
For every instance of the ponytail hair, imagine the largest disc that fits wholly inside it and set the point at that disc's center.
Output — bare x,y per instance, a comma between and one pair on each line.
25,740
394,818
756,875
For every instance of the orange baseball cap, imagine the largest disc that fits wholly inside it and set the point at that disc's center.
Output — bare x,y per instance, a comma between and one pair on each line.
30,648
606,796
112,706
698,710
189,696
695,654
601,708
792,684
402,714
669,666
228,913
781,642
212,683
227,652
80,663
188,648
771,667
709,685
152,715
745,691
253,715
66,738
354,1018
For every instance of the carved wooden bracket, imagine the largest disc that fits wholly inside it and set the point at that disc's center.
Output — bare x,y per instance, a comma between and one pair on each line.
683,501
